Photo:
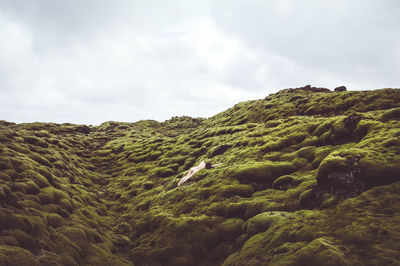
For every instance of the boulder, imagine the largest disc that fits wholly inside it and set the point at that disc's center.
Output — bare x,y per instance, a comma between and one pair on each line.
340,89
351,121
340,176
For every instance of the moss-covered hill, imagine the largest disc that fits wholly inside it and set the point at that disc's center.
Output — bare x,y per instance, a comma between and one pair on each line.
308,177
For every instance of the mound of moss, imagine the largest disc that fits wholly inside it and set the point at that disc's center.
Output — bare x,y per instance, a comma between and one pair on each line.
307,177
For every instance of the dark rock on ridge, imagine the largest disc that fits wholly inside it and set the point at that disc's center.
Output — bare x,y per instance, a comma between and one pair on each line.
340,89
307,88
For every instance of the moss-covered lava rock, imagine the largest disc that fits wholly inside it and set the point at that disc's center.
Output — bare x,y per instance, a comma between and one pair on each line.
308,176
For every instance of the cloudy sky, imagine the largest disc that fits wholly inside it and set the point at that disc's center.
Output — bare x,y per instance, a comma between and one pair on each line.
90,61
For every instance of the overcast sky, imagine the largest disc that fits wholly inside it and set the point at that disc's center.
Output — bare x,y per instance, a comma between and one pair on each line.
90,61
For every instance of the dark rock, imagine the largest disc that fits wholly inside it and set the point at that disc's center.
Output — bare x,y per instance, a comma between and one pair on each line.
342,181
306,88
340,89
351,121
338,180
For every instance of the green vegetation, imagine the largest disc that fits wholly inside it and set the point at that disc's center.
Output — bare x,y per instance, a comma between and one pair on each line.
308,177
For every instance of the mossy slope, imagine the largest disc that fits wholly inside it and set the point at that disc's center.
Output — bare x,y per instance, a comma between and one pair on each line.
307,178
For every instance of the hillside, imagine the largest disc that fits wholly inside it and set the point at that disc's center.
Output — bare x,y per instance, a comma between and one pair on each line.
308,177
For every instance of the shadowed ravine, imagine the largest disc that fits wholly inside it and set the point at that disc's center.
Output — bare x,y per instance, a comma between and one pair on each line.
308,177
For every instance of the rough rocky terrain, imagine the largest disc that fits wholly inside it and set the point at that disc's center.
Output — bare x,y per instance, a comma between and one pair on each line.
308,177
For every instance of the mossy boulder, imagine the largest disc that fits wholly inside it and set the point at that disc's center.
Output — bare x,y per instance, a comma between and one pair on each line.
236,210
165,172
35,141
55,220
50,195
341,174
392,114
320,251
230,228
16,256
242,190
263,221
308,199
48,258
5,163
262,172
380,169
283,182
218,150
307,152
38,179
343,130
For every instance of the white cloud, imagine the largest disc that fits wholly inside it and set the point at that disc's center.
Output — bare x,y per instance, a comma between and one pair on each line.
92,61
341,38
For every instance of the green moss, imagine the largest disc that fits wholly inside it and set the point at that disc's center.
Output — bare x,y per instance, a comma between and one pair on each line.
113,205
262,172
50,195
40,159
148,185
69,252
262,222
16,221
16,256
142,226
165,171
49,258
255,207
188,205
11,173
74,234
332,163
235,210
392,114
230,228
380,170
323,128
54,220
319,155
5,163
18,186
24,239
283,182
20,165
38,179
307,152
306,198
216,208
237,189
4,177
32,188
35,141
320,251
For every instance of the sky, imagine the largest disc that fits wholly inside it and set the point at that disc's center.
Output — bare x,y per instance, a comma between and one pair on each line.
91,61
